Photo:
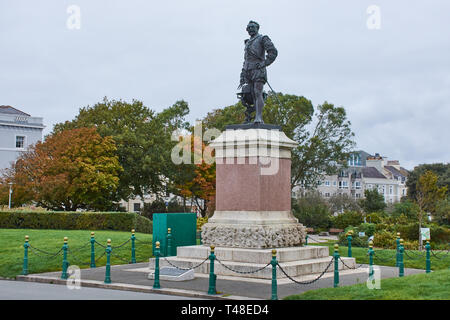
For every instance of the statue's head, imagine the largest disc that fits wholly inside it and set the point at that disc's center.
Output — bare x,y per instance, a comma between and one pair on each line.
252,28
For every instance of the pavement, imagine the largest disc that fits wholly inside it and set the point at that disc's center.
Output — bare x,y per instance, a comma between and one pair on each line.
133,277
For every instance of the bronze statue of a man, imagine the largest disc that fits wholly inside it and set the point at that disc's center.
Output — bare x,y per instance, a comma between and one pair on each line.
254,73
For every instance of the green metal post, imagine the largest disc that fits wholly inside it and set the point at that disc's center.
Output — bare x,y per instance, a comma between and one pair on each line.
108,262
212,276
428,261
401,268
169,242
92,250
336,265
306,242
133,248
398,250
274,263
156,284
25,256
371,259
65,263
349,239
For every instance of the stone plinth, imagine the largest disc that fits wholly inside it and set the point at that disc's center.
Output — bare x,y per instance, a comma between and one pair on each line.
295,261
253,191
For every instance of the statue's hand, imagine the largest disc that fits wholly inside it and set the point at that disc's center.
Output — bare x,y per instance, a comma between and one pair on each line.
260,65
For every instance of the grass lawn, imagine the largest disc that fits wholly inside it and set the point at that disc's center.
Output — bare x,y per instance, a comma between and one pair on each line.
431,286
51,241
386,257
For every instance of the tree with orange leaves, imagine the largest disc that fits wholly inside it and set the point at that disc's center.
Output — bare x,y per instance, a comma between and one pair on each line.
70,170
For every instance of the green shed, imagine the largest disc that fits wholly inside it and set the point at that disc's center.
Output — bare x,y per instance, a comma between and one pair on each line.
183,231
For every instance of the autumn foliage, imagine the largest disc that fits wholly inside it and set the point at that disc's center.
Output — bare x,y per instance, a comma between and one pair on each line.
70,170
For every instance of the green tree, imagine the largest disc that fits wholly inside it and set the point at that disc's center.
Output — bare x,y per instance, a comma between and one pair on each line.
312,211
143,139
324,135
343,202
442,213
427,195
440,169
373,201
70,170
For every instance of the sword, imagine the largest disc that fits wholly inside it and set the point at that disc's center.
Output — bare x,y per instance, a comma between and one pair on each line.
275,94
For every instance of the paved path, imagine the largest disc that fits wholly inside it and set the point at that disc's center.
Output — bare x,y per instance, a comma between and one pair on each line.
134,277
19,290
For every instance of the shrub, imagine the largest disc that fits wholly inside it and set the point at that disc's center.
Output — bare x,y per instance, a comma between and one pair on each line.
312,211
119,221
384,239
201,221
348,218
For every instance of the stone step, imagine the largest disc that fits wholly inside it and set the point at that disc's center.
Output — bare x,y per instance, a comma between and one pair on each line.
261,256
253,270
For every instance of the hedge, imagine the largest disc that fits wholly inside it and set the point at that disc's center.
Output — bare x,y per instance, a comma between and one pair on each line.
63,220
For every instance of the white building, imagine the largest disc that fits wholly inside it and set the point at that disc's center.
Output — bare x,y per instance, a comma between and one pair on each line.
365,171
18,130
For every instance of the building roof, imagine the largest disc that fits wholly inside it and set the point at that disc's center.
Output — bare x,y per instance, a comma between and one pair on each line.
395,171
11,110
372,172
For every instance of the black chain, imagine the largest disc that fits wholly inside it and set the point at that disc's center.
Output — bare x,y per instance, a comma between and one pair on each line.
119,246
165,259
243,272
124,260
82,247
72,256
311,238
306,282
52,256
100,244
144,242
413,258
383,259
350,267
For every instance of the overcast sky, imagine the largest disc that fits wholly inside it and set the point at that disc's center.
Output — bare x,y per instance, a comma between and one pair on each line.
390,68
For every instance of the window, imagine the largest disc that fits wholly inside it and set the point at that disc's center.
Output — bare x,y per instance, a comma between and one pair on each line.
358,195
136,207
343,184
20,142
357,184
327,194
327,183
334,183
391,189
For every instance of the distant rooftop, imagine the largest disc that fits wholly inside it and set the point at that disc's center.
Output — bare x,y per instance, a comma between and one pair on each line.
11,110
371,172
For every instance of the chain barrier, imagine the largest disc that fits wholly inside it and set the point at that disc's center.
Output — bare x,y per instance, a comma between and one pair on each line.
120,258
75,259
144,242
306,282
243,272
345,265
121,245
185,269
52,255
414,258
385,259
104,247
82,247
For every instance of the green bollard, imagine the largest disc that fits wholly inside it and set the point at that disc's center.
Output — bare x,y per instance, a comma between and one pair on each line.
156,284
65,263
274,263
428,260
349,239
336,265
133,248
108,262
92,250
212,276
371,259
169,242
401,268
398,249
306,240
25,256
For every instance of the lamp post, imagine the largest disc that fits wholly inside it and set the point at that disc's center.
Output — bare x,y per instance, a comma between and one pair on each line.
10,194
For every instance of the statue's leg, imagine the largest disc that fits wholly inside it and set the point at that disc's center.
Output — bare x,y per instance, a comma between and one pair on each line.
259,100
